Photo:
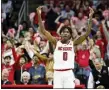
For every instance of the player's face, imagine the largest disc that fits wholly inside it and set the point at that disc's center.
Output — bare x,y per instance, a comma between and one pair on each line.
65,34
7,61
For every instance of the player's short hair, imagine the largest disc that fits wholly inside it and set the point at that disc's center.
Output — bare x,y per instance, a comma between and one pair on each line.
7,57
66,27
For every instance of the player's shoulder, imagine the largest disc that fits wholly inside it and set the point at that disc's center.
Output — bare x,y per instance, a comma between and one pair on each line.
71,42
59,42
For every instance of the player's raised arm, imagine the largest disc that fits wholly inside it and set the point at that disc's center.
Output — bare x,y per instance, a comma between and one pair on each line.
42,28
82,38
42,57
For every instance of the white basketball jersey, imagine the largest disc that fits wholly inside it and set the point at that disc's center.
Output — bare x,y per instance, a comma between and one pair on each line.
64,56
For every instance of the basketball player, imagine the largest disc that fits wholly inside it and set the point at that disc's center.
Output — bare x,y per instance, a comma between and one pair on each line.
63,53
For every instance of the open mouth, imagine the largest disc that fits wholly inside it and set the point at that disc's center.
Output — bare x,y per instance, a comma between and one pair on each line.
65,36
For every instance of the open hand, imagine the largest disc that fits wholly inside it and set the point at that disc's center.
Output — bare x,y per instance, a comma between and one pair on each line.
39,9
91,12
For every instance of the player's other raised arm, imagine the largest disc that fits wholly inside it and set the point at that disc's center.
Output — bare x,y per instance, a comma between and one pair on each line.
82,38
42,28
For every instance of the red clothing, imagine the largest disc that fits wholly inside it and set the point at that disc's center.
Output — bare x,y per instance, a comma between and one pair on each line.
15,66
2,48
17,58
11,72
102,32
82,58
11,68
101,45
36,17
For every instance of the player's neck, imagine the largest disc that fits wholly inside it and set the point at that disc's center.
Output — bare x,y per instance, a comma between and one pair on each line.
65,41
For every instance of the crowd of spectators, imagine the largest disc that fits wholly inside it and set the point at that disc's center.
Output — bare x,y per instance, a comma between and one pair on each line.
27,55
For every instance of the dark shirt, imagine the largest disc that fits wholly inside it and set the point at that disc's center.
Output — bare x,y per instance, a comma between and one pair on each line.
6,83
50,20
17,76
101,78
27,83
40,70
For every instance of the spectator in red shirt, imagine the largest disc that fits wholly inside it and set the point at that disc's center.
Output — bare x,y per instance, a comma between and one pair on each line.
5,75
82,58
21,67
11,68
22,63
100,42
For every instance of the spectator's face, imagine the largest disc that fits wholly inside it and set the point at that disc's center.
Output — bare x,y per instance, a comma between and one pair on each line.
4,39
45,2
80,15
31,31
98,34
91,43
97,17
87,3
28,36
42,44
35,60
57,9
7,61
67,8
45,9
24,25
25,78
19,51
51,2
66,22
5,75
65,34
21,39
22,61
84,45
81,9
93,55
98,65
62,6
